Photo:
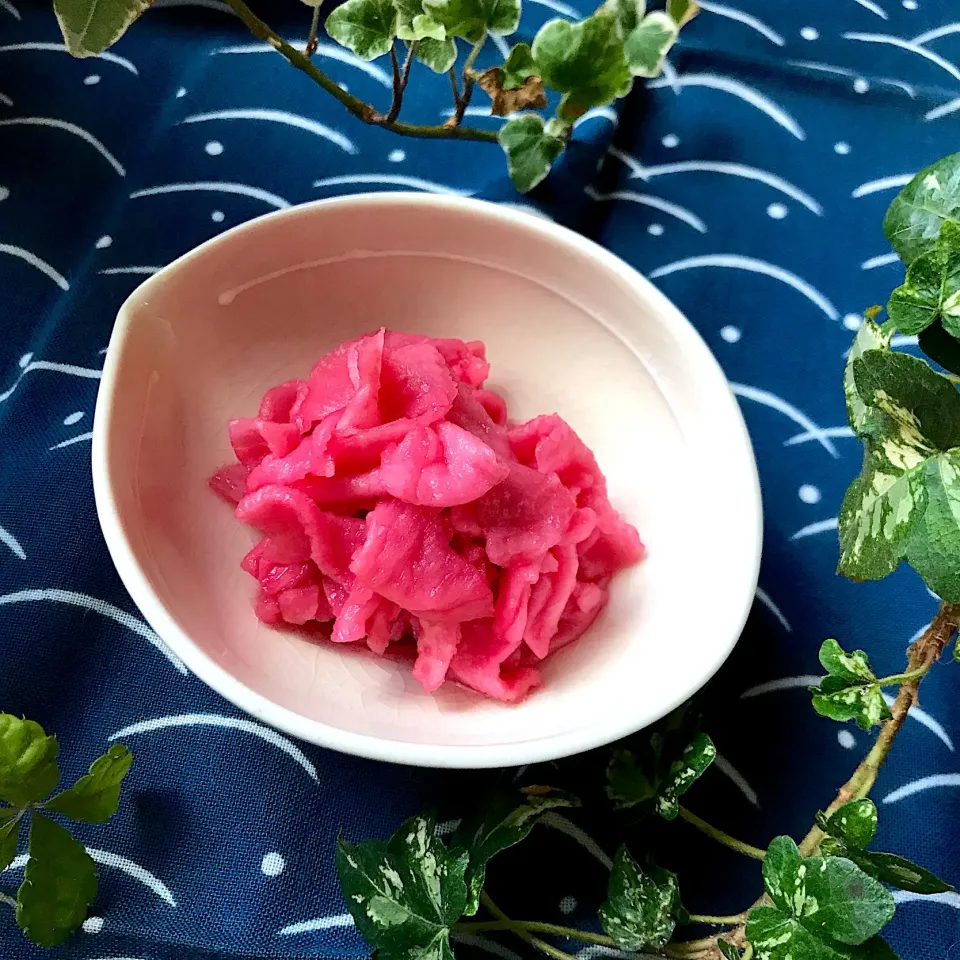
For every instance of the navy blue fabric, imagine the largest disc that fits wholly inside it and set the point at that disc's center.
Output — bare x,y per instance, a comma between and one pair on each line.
749,184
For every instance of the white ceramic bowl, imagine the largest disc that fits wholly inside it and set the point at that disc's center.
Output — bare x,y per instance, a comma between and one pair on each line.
568,327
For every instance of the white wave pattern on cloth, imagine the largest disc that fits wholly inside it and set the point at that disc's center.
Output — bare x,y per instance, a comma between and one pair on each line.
768,399
949,898
737,89
557,6
391,180
136,271
783,683
278,116
329,50
907,45
598,113
113,860
96,605
318,923
570,829
638,170
79,438
764,598
68,368
229,723
934,782
936,33
747,19
61,48
56,124
215,186
951,106
884,183
664,206
737,778
813,529
881,260
11,9
736,261
58,278
874,8
807,436
12,543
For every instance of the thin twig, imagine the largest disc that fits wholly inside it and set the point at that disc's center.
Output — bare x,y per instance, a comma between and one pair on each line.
716,921
400,78
541,945
310,48
720,836
362,111
462,100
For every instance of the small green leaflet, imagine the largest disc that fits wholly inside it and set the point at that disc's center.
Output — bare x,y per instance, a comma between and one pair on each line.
9,834
628,785
931,291
584,61
414,24
729,951
822,907
365,27
629,13
95,796
517,67
473,19
405,893
851,829
648,43
917,213
850,690
531,149
863,418
28,761
90,26
59,884
641,910
682,11
438,55
501,823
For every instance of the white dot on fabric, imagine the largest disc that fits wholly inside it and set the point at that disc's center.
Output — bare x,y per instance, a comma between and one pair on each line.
92,79
93,925
273,864
72,418
217,216
396,156
730,334
182,92
810,33
214,148
846,739
853,321
670,141
842,148
777,210
910,4
568,905
809,493
104,242
860,85
655,229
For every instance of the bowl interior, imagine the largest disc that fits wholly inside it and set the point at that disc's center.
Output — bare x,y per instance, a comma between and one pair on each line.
568,328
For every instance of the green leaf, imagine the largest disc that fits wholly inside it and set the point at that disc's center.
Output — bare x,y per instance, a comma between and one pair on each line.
95,796
517,67
584,61
941,347
775,935
647,44
9,834
500,824
933,549
366,27
640,912
530,149
28,761
917,213
414,24
627,784
90,26
629,13
438,55
855,823
898,871
831,897
682,11
405,893
59,884
472,19
864,420
850,691
696,757
931,291
728,950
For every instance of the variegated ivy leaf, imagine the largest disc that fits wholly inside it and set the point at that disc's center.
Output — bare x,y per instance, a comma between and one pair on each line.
584,61
850,690
438,55
776,936
90,26
366,27
642,909
531,149
648,43
472,19
503,821
405,893
931,291
863,419
414,24
518,67
629,13
917,213
682,11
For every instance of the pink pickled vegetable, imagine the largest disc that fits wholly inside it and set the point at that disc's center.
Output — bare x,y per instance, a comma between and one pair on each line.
399,505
